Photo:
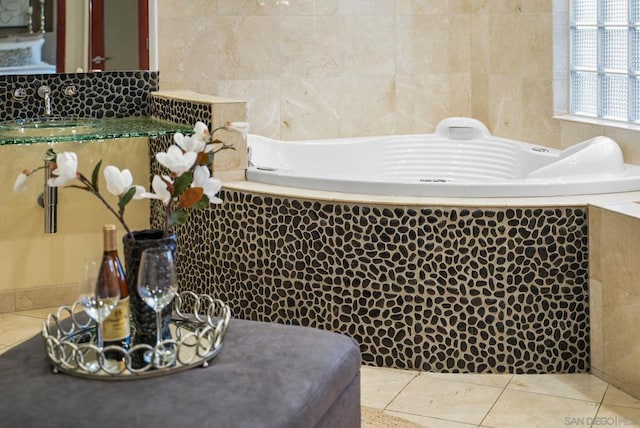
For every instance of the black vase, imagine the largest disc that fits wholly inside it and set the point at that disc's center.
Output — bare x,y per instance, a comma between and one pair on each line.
143,318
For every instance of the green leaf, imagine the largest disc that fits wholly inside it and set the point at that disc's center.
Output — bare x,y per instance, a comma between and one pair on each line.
94,175
178,217
182,183
202,203
126,198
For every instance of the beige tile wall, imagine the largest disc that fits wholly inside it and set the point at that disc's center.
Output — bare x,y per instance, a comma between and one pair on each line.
513,73
615,297
324,68
41,270
327,68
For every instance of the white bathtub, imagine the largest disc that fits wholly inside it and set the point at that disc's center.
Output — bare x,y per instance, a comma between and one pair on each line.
461,159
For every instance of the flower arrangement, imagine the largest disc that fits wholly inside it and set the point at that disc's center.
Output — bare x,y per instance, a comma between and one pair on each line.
187,184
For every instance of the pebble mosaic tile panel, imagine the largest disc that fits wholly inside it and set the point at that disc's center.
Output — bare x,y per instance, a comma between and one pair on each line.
180,111
433,289
107,94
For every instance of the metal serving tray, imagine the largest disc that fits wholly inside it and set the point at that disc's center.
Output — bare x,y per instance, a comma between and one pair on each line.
197,337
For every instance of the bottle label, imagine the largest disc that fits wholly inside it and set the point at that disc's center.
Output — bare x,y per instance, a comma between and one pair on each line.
116,326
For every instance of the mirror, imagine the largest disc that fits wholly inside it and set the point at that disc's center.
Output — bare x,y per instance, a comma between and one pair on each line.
69,36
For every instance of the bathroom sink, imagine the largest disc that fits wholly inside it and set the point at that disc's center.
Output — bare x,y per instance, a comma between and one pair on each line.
49,127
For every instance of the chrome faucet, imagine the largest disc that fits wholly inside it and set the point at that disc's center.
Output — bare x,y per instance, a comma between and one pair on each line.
44,92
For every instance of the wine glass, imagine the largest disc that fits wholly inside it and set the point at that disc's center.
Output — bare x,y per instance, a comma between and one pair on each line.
99,295
157,286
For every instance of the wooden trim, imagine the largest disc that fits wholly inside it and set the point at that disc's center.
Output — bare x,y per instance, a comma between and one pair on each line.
61,35
97,34
143,34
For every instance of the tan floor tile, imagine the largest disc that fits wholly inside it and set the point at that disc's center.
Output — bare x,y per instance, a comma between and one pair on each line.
496,380
429,422
617,416
578,386
377,418
524,409
3,349
378,386
16,328
445,399
616,397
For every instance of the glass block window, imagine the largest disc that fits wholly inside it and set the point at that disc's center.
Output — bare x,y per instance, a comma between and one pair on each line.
605,59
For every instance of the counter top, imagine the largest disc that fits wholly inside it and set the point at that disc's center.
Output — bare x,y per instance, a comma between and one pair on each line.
110,128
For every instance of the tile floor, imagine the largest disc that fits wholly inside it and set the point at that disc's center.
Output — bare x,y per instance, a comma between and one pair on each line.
471,400
454,400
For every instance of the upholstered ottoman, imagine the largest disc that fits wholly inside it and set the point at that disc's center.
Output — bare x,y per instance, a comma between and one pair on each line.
267,375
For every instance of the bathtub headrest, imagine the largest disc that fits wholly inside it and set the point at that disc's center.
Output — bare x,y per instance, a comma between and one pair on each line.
597,156
462,128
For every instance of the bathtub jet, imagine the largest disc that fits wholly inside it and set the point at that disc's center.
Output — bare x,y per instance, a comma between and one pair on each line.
461,159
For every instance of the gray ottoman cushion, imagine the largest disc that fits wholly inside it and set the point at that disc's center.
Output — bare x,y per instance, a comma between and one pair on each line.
267,375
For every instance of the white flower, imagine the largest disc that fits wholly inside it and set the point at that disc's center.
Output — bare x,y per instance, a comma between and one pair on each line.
21,181
66,170
159,186
139,191
201,132
176,161
241,128
188,144
210,186
119,182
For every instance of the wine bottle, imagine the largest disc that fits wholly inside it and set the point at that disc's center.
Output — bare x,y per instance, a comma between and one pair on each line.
116,327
